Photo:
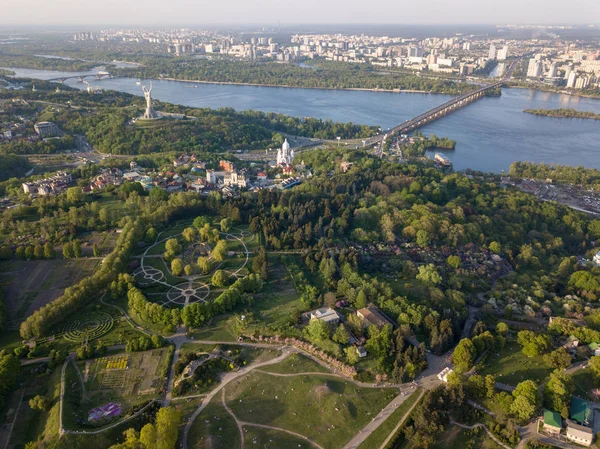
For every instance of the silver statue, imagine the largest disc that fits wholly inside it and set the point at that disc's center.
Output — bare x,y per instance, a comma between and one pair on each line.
150,112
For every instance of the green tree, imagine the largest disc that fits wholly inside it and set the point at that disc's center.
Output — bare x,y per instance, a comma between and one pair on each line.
522,408
67,250
341,335
380,340
318,330
219,279
464,355
422,238
352,356
40,403
219,252
188,270
204,264
74,195
38,251
429,275
361,300
20,252
533,344
49,252
557,393
199,222
176,267
29,253
594,366
189,234
225,224
95,250
502,328
77,248
151,235
453,261
495,247
558,359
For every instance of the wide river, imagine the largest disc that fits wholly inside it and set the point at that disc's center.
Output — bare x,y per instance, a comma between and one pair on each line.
490,133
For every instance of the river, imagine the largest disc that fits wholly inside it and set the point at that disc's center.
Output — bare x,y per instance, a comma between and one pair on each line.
490,133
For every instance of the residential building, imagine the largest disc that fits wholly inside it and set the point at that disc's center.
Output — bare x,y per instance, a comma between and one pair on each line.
579,434
372,316
362,352
502,54
582,82
326,314
492,52
226,166
572,80
552,422
211,177
46,129
580,411
233,178
534,70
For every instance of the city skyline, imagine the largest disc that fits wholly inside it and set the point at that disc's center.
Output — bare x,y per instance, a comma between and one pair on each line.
427,12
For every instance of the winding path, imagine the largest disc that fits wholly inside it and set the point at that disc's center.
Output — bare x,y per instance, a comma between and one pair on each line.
491,435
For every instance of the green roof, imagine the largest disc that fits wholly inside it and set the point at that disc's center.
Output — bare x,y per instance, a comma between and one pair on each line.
552,418
594,346
580,410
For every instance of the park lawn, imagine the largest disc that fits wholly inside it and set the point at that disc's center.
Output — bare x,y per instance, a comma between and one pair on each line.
10,340
214,428
377,438
272,439
217,330
511,366
327,410
160,264
458,438
295,364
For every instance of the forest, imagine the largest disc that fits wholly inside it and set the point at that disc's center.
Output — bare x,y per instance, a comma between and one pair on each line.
587,177
325,76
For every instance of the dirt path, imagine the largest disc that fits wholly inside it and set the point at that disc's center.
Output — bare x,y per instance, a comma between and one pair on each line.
224,381
490,434
237,422
12,424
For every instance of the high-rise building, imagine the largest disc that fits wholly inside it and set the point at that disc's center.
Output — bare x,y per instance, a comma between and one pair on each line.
502,54
466,46
582,82
415,52
534,70
572,79
552,71
492,53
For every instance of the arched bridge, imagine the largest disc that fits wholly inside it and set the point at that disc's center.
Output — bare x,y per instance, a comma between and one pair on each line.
98,76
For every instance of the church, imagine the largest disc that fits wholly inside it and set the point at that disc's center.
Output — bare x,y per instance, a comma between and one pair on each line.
284,155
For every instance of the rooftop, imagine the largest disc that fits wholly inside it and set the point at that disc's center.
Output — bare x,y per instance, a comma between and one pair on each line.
552,418
580,410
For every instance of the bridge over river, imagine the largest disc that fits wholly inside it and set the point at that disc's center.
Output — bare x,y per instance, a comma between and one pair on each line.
98,76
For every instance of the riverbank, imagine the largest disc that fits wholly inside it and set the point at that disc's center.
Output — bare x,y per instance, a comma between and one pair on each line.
549,89
288,86
563,113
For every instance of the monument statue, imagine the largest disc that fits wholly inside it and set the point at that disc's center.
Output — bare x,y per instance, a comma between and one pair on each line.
150,112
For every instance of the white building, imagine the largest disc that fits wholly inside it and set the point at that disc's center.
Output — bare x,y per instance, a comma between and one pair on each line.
502,54
443,375
582,82
579,434
572,79
326,314
284,155
233,178
492,52
211,177
534,70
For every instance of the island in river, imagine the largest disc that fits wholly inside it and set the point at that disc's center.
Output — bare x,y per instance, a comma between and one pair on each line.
564,113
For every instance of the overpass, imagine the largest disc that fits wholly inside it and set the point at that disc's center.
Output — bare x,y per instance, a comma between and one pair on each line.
98,76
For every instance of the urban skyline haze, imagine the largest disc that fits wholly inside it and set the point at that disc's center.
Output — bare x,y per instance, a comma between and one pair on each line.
179,12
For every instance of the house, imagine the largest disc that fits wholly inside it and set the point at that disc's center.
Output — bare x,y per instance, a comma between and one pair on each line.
226,166
552,422
595,348
443,374
596,258
372,316
579,434
325,314
362,352
580,411
571,344
261,176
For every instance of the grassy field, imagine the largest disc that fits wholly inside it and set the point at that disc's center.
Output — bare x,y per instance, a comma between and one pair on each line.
511,366
377,438
214,429
296,364
584,383
267,438
326,410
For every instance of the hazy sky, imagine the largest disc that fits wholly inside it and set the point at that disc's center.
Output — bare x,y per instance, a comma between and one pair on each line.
198,12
